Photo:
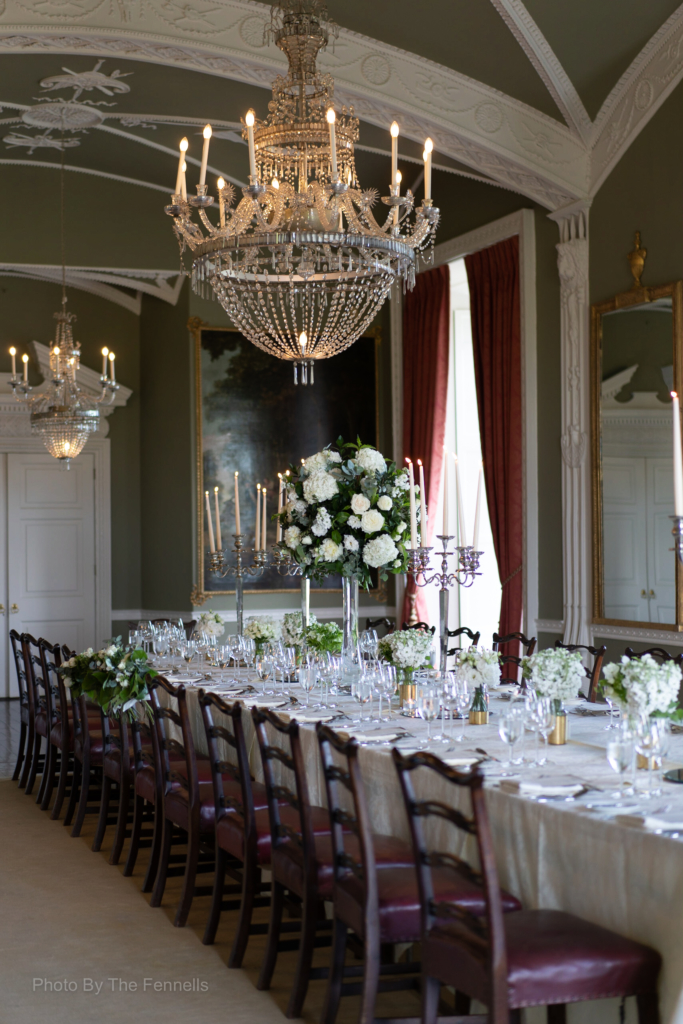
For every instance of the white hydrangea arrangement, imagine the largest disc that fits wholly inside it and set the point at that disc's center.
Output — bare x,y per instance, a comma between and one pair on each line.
643,687
292,633
210,624
261,628
480,666
116,678
346,513
555,673
406,648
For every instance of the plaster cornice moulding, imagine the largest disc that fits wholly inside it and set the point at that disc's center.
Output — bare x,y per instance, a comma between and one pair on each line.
105,282
468,120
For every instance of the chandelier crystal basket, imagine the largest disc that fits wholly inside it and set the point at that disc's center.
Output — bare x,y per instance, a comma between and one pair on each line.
300,264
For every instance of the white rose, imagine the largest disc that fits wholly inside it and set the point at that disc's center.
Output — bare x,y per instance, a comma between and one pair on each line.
350,542
371,461
384,503
397,563
372,521
359,503
292,535
306,540
401,527
354,522
379,551
330,551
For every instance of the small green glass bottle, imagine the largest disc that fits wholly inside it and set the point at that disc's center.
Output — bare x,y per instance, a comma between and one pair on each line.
479,709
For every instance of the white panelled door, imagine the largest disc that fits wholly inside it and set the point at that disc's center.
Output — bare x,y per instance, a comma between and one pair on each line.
51,560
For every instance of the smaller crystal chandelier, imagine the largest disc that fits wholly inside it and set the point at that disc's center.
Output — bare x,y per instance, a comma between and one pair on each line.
62,415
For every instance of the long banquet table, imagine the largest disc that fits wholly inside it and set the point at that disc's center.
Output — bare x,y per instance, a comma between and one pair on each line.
551,853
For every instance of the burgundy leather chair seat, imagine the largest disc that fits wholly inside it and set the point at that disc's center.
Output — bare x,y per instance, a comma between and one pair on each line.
177,805
555,957
230,833
56,731
96,748
390,853
399,900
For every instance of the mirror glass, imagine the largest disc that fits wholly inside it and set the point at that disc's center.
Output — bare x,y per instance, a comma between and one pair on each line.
639,568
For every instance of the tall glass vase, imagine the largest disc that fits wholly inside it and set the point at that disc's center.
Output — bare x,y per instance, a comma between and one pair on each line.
349,616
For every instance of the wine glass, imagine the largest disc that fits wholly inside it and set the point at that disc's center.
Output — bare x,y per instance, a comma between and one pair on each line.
368,643
649,742
307,677
188,649
388,687
428,702
544,721
621,746
511,730
146,631
264,670
462,698
361,691
160,644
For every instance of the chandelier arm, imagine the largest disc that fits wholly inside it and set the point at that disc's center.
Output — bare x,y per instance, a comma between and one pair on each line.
213,232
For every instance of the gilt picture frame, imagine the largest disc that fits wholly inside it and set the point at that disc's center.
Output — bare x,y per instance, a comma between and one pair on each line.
250,417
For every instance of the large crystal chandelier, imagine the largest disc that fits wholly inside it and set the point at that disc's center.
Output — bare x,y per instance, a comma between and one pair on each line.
301,265
61,415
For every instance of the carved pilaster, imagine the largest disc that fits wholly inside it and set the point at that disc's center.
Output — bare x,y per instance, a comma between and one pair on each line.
572,263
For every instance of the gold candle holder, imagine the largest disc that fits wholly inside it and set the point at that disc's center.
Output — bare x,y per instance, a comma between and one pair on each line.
558,737
479,718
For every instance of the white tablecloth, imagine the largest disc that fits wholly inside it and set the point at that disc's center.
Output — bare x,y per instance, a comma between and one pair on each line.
551,854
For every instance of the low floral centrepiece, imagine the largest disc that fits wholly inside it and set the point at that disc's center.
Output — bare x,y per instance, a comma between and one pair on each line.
347,512
115,678
261,629
406,648
210,624
480,666
642,687
292,633
555,673
324,637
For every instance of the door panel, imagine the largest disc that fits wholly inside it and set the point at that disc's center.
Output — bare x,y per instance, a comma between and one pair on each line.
661,559
51,551
624,531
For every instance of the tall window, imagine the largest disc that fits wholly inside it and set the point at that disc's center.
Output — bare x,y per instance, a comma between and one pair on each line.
477,606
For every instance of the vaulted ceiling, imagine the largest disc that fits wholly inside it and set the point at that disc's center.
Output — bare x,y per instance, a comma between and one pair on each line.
539,98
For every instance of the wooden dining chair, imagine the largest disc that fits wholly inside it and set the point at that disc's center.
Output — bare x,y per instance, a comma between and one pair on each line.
375,892
59,731
87,751
300,856
658,653
118,758
463,631
147,827
41,713
242,826
388,625
420,625
507,961
510,662
593,672
25,712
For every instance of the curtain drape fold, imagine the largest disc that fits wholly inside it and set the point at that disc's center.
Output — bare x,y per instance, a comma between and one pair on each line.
425,386
493,277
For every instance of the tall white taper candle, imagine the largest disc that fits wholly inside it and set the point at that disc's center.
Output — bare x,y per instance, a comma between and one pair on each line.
413,516
477,511
249,120
263,525
238,525
257,528
333,142
462,538
205,155
429,146
181,163
212,545
219,539
423,506
394,151
678,457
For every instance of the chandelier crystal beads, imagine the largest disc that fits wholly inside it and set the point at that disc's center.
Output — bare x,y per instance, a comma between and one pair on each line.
301,264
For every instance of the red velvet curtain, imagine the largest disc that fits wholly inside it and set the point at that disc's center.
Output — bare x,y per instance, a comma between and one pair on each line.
493,276
425,384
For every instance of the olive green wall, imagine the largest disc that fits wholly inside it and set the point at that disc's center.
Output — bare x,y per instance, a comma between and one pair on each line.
26,314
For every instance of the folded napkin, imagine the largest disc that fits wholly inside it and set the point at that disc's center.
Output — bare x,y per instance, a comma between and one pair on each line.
656,821
310,716
543,785
375,737
253,702
187,680
461,762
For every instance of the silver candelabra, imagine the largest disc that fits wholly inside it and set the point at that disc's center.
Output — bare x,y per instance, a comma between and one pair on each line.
464,575
282,562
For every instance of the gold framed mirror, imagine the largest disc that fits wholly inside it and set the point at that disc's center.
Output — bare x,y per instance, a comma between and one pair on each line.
636,361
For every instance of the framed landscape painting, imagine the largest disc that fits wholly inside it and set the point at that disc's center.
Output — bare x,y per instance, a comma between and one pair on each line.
252,418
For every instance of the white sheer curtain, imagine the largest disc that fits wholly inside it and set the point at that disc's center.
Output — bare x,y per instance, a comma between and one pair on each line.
476,606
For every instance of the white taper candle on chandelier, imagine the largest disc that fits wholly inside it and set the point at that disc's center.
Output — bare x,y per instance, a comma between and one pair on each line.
212,545
205,155
477,510
394,151
183,181
237,503
678,457
462,539
55,353
221,204
249,120
24,360
413,517
257,527
429,146
13,354
105,353
181,163
263,524
219,539
331,117
112,369
423,506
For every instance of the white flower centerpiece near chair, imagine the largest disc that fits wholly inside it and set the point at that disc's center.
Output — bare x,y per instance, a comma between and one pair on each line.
210,625
262,629
480,667
558,674
407,650
347,513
